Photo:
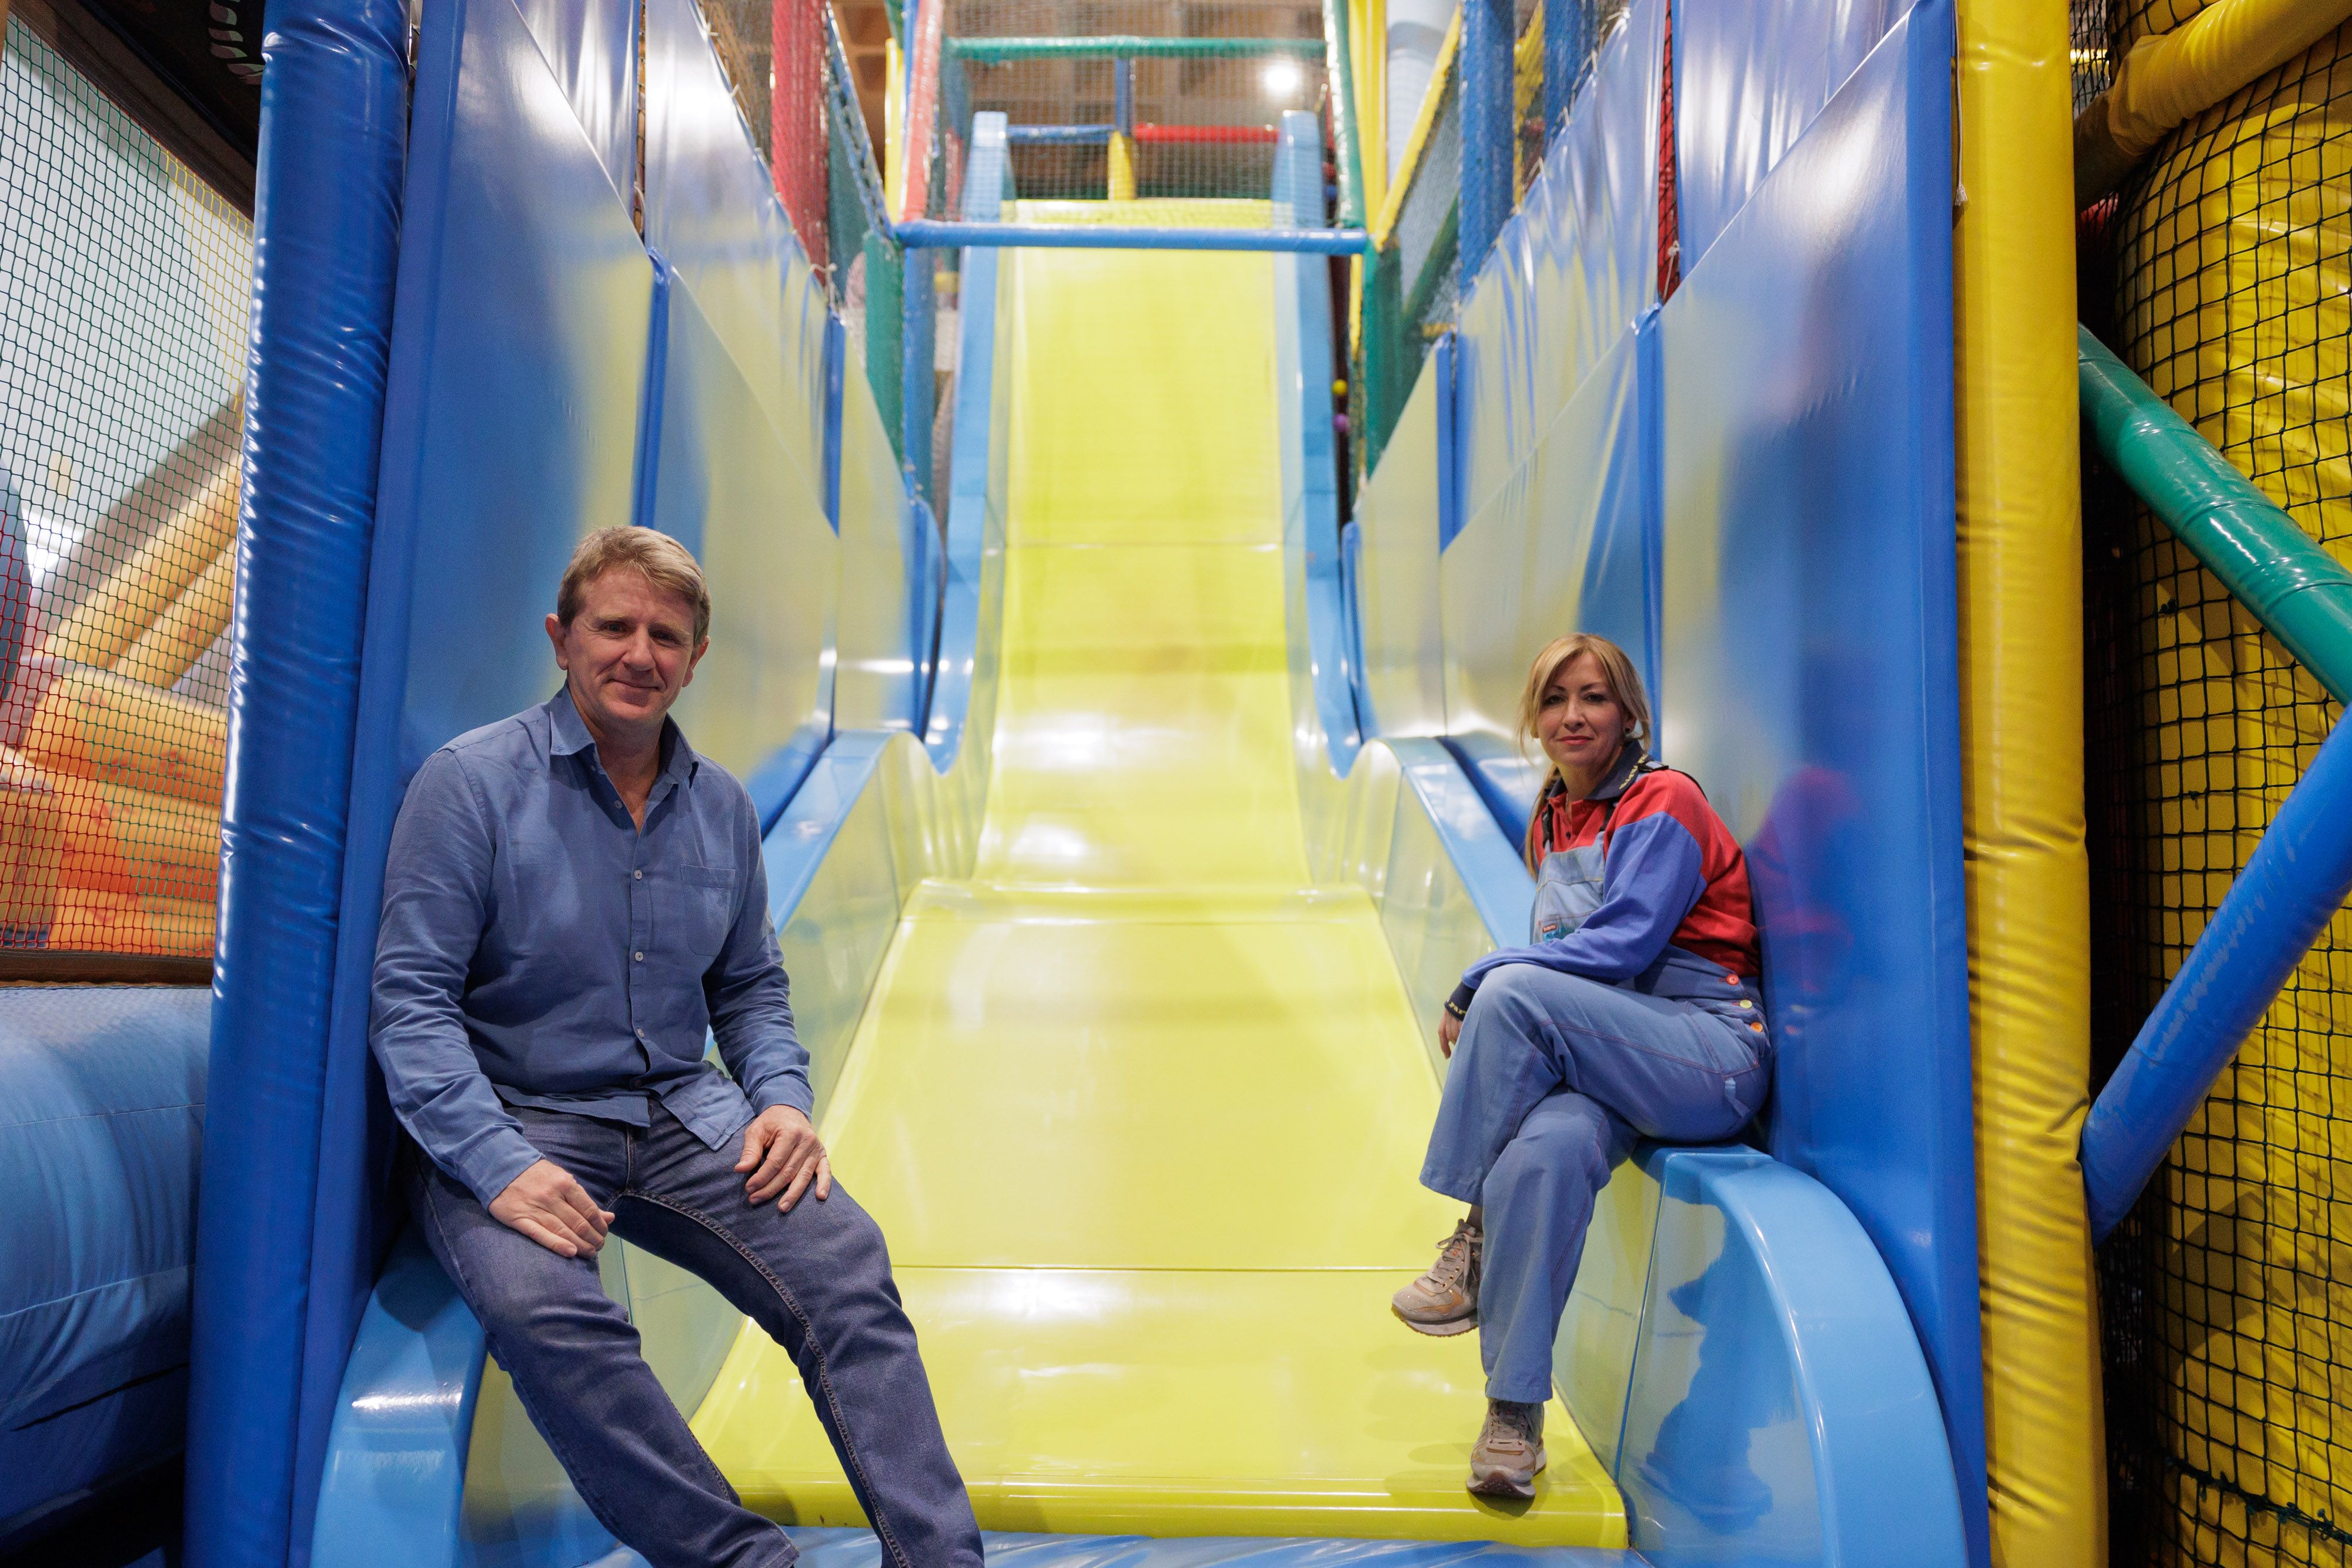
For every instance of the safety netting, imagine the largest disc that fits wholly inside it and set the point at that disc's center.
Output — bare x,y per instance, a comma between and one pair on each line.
2220,274
121,363
789,71
1413,280
1136,99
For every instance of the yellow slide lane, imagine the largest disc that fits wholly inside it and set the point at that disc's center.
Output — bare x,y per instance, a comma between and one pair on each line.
1139,1108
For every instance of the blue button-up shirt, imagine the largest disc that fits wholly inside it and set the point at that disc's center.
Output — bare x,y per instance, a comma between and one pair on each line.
539,949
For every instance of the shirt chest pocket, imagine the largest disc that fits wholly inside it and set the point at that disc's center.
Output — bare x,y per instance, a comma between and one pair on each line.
694,908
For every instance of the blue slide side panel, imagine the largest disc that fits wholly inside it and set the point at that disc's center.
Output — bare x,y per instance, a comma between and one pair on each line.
590,48
833,891
395,1473
837,353
1310,463
1628,81
889,577
1398,523
511,426
713,215
101,1120
731,487
1576,265
1749,79
1487,863
1564,549
1780,1409
334,119
518,373
1591,569
1442,375
1811,664
1551,520
975,529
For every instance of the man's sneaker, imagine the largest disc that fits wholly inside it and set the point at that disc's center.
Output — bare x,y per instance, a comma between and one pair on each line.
1445,1300
1510,1450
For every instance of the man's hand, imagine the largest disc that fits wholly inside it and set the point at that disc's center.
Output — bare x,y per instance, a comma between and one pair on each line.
548,1206
781,1152
1449,1029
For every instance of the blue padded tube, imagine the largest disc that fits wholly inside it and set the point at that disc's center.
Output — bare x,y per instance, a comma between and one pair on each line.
1490,136
649,411
918,389
837,353
930,234
2298,877
327,226
976,475
1310,464
1440,371
1058,135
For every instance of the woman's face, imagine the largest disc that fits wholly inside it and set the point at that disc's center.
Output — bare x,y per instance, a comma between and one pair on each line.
1580,725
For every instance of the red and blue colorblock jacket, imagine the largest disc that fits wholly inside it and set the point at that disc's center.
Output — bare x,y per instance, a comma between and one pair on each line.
1663,905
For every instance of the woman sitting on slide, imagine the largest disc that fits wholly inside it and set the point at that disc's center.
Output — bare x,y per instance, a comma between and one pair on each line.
1634,1009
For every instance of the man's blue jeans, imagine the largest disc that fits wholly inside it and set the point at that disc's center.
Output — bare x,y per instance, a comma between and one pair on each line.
1553,1077
817,1279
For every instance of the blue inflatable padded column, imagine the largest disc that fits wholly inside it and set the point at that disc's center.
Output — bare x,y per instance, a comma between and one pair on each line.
334,118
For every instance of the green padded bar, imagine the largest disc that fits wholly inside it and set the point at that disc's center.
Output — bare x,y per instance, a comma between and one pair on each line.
2295,589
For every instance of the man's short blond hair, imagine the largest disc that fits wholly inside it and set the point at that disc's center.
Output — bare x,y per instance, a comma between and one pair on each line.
664,562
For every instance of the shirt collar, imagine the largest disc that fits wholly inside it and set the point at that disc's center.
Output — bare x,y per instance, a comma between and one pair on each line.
1630,762
567,735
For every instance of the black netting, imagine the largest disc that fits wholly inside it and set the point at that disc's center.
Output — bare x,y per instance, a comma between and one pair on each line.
122,364
2087,30
2226,1297
1203,124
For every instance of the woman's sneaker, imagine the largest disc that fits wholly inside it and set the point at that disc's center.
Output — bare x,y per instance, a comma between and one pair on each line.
1510,1450
1445,1300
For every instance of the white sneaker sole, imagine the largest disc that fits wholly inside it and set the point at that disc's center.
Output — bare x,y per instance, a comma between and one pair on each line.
1445,1330
1507,1483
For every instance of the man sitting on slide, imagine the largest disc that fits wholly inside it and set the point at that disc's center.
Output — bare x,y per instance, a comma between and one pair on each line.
573,899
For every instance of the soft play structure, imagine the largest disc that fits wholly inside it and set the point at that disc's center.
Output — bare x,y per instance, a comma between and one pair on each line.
1133,473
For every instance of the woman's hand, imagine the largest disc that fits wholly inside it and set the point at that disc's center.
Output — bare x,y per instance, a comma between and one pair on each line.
1449,1029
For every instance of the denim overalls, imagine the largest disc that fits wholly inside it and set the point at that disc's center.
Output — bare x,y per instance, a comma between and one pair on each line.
1554,1076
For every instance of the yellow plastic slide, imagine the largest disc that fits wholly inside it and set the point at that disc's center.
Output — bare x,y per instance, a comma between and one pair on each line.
1138,1106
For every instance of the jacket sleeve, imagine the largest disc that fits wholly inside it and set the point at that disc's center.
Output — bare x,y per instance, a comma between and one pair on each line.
1654,878
436,890
751,999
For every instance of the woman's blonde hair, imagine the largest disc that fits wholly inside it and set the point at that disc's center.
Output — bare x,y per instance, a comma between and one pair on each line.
1617,673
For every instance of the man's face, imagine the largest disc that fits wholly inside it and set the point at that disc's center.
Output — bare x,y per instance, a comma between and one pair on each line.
627,654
